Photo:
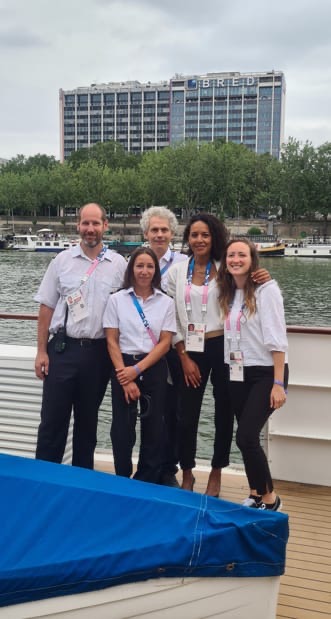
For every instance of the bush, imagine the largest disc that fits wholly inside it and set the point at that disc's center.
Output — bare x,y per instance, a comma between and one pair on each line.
254,231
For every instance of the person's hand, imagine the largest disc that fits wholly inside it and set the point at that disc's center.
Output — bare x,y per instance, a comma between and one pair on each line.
126,375
277,396
131,392
191,371
41,365
261,276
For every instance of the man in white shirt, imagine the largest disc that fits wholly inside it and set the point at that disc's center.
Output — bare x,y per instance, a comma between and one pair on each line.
75,364
159,226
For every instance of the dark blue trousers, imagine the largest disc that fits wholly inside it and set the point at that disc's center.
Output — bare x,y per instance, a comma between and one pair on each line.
77,381
152,384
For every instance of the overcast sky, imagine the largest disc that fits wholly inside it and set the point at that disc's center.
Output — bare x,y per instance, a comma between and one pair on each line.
50,44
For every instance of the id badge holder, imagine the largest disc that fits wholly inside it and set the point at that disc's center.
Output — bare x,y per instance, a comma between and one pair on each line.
77,306
237,366
195,337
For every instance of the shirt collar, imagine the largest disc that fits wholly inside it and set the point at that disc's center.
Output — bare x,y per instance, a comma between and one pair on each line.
79,251
156,291
167,255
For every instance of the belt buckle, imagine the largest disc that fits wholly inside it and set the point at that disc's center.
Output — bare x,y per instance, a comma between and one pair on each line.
136,357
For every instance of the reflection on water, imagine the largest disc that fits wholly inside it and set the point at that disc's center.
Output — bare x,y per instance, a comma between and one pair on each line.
305,282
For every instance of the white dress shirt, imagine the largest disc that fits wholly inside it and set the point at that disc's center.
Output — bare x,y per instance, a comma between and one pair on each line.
122,314
166,261
262,332
64,276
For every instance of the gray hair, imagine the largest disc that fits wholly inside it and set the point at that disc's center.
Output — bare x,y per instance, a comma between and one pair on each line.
158,211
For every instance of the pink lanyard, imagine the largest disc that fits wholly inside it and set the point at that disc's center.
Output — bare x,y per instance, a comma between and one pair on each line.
189,285
228,324
94,265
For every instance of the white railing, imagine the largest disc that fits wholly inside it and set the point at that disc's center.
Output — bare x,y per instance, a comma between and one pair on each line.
298,439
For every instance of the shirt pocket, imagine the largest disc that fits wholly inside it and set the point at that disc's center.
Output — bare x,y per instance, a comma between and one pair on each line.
68,283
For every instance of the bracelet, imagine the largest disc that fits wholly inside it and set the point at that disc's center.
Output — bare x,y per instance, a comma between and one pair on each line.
183,352
279,382
137,369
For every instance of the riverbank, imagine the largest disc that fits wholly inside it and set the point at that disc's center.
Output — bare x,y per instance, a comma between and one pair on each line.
128,228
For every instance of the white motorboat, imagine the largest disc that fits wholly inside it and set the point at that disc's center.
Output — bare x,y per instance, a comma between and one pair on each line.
44,242
310,248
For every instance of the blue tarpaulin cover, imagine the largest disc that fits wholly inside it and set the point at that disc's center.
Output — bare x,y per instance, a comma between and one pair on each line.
66,530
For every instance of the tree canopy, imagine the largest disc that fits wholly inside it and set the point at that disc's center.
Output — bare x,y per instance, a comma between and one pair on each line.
226,178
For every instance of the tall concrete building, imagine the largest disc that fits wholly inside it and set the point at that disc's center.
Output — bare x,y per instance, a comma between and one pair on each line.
244,108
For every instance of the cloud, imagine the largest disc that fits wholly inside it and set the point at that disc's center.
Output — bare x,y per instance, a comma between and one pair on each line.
20,40
68,43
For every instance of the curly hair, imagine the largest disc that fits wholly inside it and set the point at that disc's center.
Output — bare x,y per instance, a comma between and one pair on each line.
158,211
227,284
218,231
129,275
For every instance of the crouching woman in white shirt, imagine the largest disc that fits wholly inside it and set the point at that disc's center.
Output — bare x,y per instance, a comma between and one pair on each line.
255,354
139,322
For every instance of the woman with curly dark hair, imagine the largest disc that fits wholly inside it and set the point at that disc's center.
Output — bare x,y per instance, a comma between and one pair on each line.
194,289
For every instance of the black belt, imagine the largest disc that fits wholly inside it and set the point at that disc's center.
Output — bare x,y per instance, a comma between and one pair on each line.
85,341
128,357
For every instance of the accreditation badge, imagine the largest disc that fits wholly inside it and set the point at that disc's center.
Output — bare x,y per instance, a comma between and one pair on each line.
195,337
77,306
237,366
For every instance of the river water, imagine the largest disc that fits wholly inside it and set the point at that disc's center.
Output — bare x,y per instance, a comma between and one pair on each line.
305,282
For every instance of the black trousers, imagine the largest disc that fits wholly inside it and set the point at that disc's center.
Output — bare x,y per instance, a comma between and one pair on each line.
250,401
211,363
152,384
77,380
172,413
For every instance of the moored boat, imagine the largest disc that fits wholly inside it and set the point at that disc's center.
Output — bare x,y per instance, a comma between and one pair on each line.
41,243
309,248
125,248
266,244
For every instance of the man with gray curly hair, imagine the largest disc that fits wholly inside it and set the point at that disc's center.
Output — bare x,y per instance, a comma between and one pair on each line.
159,225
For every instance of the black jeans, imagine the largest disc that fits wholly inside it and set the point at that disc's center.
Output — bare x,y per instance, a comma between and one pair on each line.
211,363
153,384
250,401
77,379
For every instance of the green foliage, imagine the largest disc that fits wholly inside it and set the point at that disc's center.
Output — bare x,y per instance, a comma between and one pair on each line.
225,178
254,231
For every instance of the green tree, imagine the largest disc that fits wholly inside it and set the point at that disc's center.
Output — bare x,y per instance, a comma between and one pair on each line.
296,178
320,194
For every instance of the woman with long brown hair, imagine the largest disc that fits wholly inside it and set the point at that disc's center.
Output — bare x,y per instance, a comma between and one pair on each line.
255,354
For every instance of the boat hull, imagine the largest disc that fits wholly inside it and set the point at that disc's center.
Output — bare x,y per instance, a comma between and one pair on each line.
165,598
308,251
277,250
86,531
